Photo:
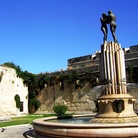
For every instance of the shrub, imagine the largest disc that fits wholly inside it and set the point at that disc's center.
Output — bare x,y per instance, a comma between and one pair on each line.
17,100
60,109
37,104
34,103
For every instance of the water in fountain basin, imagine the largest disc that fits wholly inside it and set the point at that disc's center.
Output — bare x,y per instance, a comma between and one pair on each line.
77,120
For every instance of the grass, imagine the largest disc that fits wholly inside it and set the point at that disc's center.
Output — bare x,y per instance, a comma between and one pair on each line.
28,119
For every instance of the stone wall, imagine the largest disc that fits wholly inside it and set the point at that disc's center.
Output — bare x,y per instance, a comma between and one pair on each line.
80,100
10,85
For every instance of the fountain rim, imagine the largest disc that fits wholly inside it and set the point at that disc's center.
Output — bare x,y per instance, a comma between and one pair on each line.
46,122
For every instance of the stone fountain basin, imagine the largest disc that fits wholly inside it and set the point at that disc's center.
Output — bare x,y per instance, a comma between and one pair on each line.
45,128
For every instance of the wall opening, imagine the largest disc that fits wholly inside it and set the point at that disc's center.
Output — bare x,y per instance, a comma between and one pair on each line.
21,106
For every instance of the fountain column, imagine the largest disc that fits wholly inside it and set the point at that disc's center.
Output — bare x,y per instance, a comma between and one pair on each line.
113,68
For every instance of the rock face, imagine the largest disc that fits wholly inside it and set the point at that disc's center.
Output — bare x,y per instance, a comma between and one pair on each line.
81,100
10,85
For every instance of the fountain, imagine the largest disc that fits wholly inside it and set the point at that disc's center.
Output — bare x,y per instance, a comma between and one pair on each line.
115,118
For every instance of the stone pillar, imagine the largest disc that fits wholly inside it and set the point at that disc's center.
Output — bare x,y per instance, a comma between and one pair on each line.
112,68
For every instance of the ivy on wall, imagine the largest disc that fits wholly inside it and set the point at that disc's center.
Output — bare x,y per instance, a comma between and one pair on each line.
17,100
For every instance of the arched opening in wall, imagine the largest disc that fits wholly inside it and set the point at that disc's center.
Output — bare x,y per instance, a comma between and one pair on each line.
21,106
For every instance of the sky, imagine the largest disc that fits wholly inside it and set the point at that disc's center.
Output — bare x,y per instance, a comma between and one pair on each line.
41,35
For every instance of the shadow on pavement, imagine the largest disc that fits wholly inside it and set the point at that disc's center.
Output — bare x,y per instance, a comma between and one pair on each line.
29,134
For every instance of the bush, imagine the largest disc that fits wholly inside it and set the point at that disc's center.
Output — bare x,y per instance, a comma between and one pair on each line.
37,104
34,103
60,109
17,100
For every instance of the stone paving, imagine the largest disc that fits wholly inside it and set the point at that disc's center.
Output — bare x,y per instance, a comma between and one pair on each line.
18,131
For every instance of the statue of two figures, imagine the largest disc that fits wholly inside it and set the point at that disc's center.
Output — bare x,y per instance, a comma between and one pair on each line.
111,20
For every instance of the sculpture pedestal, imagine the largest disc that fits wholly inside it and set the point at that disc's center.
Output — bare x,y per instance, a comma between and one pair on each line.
116,108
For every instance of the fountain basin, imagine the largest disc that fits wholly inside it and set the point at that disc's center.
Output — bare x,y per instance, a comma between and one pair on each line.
46,128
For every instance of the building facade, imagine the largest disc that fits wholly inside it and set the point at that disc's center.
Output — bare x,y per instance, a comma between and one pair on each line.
11,85
92,61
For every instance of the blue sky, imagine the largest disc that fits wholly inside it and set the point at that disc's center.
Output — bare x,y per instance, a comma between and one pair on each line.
41,35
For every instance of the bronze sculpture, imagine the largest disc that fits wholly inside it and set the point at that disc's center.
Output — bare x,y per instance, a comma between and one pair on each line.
111,20
104,29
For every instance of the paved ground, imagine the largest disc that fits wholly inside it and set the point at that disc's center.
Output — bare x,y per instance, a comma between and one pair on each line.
15,131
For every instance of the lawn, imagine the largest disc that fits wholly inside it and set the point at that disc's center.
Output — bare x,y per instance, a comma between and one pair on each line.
28,119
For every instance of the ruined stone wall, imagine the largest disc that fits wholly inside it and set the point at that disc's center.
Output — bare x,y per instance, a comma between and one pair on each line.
10,85
80,100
